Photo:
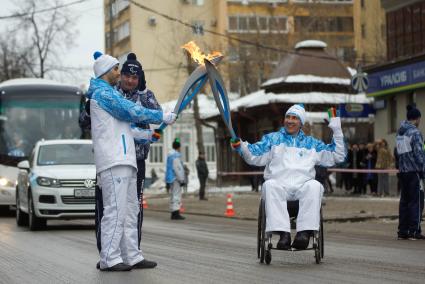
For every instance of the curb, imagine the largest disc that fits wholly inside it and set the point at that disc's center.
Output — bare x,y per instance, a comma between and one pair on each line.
327,220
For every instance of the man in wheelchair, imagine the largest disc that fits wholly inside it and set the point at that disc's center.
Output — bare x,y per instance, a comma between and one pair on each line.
289,157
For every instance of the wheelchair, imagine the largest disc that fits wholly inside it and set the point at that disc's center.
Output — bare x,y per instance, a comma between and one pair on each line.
264,240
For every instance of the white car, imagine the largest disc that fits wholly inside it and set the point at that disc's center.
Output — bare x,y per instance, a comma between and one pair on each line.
57,182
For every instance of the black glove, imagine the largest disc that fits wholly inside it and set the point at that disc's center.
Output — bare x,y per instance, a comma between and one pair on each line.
182,184
87,107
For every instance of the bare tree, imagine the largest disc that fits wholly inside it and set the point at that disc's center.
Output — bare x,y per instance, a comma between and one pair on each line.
12,59
48,33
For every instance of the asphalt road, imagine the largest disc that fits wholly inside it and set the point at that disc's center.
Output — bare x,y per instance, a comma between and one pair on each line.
210,250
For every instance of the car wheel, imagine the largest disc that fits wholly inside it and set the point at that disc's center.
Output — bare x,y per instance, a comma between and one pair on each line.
21,217
35,223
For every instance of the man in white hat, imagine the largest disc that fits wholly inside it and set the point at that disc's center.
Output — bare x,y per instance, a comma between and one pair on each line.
289,157
115,158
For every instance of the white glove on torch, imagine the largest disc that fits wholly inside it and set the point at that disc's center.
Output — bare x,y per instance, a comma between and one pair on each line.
335,125
169,117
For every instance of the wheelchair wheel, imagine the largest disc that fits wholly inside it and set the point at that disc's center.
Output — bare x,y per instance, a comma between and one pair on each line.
316,247
259,229
262,231
321,237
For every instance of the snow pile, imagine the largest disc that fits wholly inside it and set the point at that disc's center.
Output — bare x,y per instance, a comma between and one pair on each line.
262,98
307,79
311,44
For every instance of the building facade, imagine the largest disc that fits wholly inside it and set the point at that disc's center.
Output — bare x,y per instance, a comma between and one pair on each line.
370,32
157,41
400,80
252,34
272,28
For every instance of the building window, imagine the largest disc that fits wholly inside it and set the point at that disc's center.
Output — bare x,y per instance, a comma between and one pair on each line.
198,2
122,32
362,3
392,114
324,24
233,23
254,24
198,27
156,153
363,27
406,31
209,145
117,7
186,145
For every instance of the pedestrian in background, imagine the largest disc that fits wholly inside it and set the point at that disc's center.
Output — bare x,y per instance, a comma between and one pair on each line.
384,161
174,176
186,178
355,157
369,162
412,164
347,178
202,170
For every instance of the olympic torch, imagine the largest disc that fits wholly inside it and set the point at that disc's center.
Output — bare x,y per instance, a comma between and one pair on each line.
197,78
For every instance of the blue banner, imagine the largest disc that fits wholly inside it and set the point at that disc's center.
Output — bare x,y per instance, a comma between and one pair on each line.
396,78
355,110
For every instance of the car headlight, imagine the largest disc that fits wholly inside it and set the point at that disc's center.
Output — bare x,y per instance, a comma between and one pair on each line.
5,182
50,182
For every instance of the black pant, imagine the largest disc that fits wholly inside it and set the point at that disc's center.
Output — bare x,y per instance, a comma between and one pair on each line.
410,205
202,182
373,183
141,169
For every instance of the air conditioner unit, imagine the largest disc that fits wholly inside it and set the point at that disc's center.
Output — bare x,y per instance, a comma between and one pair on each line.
152,21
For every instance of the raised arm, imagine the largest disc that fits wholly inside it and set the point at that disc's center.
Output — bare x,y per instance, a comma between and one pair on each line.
334,153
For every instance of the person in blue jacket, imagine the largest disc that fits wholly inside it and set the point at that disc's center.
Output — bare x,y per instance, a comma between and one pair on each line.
411,162
115,158
290,157
175,177
132,86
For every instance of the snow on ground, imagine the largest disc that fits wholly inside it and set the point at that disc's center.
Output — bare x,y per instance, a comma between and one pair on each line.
158,186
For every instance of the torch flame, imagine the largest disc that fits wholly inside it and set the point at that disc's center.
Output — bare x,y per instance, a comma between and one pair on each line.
196,53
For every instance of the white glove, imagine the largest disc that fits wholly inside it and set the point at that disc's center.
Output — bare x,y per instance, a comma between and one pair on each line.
142,134
335,125
169,117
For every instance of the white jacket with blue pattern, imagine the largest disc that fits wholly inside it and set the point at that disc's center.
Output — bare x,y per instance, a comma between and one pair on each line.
290,160
111,115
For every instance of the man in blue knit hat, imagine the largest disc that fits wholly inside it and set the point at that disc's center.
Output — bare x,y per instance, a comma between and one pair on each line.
289,157
411,160
115,158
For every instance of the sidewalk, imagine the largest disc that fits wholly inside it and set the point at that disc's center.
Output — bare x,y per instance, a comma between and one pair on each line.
245,204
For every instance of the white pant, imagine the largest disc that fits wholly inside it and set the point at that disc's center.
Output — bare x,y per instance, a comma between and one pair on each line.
277,217
176,196
119,222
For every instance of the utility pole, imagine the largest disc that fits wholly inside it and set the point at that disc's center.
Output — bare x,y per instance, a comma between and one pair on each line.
198,125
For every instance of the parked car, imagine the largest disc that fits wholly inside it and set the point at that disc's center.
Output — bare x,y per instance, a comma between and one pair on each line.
57,182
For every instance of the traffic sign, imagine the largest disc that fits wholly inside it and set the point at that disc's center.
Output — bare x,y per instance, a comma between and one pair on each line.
359,81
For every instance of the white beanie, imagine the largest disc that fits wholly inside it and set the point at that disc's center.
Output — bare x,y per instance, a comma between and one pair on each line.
103,63
297,110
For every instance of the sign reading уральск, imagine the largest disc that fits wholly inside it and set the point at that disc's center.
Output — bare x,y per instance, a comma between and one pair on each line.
397,79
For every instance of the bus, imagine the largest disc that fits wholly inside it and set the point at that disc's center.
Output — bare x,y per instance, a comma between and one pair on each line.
32,109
